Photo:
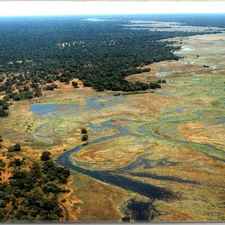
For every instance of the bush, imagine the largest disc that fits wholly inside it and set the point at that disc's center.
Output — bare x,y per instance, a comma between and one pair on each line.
161,81
55,173
154,85
3,108
3,113
2,164
75,84
83,131
50,87
15,148
45,156
16,163
84,137
51,188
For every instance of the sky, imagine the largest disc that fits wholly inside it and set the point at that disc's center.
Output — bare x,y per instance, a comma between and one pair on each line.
46,8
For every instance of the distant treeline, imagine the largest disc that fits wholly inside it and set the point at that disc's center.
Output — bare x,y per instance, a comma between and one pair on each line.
101,54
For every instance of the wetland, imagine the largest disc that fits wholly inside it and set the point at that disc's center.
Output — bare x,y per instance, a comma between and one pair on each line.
155,155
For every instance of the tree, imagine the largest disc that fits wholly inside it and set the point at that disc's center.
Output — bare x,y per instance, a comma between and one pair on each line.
84,137
154,85
75,84
15,148
51,188
2,164
36,171
83,131
3,109
45,156
53,172
37,92
16,163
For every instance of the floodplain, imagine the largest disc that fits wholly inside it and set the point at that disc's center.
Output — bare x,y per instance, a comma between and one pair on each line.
165,145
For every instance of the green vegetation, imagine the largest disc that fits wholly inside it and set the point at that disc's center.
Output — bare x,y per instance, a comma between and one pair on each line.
2,164
75,84
29,190
3,108
45,156
84,137
32,194
139,210
15,148
39,52
53,172
83,131
84,134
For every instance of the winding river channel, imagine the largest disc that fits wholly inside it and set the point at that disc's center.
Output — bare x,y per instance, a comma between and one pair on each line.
154,130
119,179
113,177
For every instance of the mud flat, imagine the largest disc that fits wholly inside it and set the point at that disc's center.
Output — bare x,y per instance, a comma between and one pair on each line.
169,142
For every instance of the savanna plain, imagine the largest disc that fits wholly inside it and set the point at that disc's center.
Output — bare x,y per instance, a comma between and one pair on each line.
113,119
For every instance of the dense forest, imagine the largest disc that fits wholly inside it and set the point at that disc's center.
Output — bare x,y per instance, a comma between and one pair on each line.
36,51
99,54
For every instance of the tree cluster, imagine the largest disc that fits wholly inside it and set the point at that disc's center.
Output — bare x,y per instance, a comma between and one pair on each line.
32,192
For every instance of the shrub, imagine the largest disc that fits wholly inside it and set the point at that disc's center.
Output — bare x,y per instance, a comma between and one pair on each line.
83,131
84,137
45,156
75,84
15,148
